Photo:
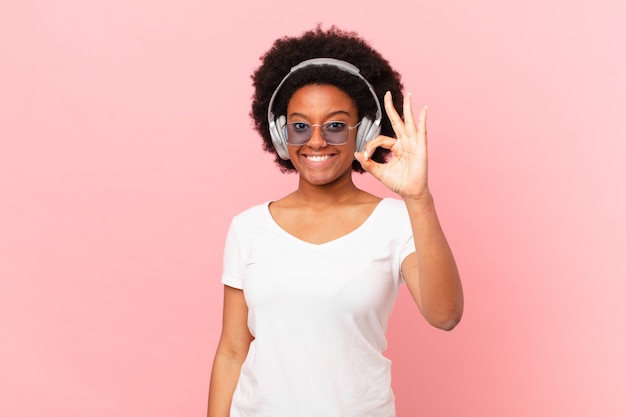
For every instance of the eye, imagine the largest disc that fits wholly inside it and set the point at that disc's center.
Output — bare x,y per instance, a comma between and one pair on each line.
335,126
300,126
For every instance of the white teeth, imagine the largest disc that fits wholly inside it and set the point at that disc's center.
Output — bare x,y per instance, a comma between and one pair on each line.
318,158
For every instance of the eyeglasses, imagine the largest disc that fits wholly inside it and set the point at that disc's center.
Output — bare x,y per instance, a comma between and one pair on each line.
334,133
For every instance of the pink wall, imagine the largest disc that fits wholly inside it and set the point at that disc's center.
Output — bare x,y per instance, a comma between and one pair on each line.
125,148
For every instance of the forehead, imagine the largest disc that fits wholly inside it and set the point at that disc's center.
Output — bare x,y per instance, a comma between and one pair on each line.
320,99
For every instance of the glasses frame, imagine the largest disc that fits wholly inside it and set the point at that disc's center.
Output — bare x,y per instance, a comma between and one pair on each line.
285,132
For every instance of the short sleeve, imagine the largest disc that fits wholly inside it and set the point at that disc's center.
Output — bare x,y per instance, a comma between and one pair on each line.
406,241
233,263
407,248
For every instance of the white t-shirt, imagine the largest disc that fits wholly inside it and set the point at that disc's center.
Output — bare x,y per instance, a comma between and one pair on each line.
318,314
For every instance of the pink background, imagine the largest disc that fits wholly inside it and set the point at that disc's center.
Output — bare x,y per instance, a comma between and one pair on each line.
126,147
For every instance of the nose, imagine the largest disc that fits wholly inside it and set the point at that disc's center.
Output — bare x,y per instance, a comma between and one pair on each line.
316,140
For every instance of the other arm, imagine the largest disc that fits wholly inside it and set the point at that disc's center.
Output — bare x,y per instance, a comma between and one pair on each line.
231,352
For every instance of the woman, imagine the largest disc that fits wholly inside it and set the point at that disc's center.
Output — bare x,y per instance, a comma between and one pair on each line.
310,279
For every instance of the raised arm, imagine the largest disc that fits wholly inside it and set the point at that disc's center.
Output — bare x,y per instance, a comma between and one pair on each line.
431,273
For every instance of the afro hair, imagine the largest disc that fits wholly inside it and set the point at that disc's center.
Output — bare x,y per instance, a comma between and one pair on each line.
286,52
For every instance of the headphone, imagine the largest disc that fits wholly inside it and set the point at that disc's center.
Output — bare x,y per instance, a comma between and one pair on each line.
368,129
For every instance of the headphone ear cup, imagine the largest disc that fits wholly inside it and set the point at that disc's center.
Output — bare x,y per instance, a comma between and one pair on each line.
366,131
278,139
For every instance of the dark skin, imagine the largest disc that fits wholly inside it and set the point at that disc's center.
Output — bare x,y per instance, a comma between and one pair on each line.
328,205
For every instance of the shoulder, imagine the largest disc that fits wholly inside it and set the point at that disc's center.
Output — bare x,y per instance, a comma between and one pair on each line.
392,212
250,219
393,205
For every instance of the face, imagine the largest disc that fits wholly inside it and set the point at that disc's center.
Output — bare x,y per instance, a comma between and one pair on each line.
318,162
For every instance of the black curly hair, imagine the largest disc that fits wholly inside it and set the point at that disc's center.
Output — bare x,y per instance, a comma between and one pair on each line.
287,52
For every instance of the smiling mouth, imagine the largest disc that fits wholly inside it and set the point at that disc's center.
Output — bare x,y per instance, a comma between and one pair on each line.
317,158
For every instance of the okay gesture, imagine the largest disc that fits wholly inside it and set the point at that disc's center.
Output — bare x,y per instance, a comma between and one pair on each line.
406,171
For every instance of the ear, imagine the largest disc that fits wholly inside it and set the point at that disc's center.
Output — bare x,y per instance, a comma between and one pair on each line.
278,138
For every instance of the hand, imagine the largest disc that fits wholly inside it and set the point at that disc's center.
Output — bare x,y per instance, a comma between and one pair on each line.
406,172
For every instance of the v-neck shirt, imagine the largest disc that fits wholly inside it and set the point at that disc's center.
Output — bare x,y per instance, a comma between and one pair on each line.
318,313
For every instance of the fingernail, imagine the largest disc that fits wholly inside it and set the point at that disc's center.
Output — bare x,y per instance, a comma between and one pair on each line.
365,155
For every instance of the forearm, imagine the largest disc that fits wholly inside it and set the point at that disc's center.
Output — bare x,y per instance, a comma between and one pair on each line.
224,377
434,269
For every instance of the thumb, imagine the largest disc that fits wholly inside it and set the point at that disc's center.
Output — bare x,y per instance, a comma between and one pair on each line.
367,163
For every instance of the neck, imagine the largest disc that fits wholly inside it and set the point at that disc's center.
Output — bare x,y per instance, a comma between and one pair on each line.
341,190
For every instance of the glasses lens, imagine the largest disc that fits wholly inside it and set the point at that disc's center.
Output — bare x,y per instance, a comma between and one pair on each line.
298,133
334,133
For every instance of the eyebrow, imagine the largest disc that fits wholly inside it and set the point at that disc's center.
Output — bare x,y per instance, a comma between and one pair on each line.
332,114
